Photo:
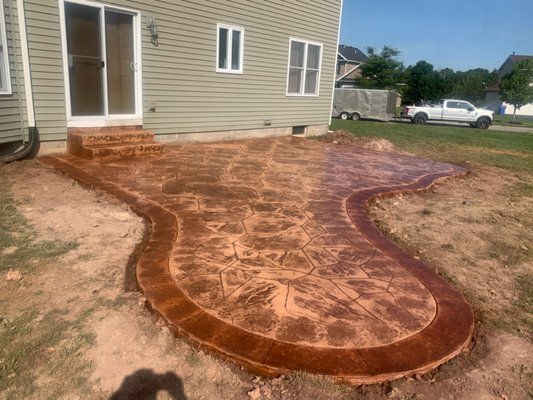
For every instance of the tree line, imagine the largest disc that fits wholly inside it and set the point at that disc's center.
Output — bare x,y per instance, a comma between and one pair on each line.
422,82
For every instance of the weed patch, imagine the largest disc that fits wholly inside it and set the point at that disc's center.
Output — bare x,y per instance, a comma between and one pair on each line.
525,298
36,348
523,188
18,248
322,384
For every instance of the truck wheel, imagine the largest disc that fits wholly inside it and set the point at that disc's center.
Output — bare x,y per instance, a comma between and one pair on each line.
356,116
483,123
344,116
420,118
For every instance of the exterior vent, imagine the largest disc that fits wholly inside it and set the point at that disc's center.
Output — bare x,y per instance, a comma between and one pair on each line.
299,130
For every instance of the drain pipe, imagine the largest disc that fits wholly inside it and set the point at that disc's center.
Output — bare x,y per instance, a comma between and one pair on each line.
31,148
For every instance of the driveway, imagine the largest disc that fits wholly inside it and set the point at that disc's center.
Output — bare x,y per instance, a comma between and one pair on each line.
261,251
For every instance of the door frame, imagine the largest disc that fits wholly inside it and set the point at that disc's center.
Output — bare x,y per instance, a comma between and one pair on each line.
106,119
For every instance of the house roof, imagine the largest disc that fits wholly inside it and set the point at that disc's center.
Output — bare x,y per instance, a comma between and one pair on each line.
493,88
349,53
514,58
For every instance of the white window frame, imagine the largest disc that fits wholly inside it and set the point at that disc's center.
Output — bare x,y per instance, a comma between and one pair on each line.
304,75
229,49
5,71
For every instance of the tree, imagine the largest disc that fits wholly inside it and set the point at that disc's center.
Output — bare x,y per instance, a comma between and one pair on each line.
469,85
382,70
423,83
517,87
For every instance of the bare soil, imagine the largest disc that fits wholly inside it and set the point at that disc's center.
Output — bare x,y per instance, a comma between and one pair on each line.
477,232
344,137
87,334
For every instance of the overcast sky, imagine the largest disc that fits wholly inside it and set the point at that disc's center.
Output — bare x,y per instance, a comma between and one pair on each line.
459,34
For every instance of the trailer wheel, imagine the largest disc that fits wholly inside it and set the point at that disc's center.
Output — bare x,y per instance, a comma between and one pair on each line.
420,118
356,116
344,116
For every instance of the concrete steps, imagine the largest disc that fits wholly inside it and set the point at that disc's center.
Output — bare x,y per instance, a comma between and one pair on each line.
112,143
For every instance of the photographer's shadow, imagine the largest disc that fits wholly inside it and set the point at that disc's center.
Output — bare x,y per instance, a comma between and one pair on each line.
144,384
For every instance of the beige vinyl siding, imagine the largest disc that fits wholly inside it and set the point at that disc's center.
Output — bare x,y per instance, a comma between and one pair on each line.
46,58
191,97
179,76
11,106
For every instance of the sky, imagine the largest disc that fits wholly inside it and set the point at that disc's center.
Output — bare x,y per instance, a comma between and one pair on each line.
457,34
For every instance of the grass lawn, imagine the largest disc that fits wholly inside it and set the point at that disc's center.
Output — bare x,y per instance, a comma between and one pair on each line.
498,219
458,144
503,119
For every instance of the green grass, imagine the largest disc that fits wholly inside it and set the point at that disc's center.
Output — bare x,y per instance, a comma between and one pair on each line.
458,144
504,119
18,247
524,188
525,298
37,347
32,348
322,384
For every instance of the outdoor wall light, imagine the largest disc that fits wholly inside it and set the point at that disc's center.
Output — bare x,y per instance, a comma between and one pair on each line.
151,23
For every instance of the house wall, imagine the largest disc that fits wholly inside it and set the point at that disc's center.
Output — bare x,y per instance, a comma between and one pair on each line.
494,97
346,67
526,110
179,76
354,74
506,68
12,106
44,46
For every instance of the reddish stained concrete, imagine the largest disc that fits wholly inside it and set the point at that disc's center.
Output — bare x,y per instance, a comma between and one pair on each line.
262,251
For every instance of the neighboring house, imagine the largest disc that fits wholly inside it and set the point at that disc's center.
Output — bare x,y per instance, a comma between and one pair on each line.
186,70
492,93
349,59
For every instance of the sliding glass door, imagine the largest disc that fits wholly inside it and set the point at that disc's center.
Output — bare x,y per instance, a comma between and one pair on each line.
101,56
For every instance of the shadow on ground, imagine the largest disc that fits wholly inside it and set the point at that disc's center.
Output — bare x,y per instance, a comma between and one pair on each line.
144,384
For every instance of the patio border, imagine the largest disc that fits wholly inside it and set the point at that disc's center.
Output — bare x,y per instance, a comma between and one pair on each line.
446,336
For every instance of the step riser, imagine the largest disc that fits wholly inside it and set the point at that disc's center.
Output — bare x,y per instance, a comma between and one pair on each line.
105,138
113,139
118,152
112,143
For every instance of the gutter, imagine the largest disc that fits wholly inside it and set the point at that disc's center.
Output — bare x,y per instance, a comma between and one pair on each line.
335,70
31,148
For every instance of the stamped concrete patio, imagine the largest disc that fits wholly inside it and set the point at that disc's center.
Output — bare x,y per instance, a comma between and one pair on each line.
261,250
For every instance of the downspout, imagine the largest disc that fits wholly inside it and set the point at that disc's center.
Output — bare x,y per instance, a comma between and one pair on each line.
30,148
335,70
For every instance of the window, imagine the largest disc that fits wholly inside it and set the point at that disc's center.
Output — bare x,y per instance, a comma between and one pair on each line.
459,105
304,68
230,41
464,106
5,79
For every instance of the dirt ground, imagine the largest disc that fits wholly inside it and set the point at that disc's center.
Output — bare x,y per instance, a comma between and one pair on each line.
72,326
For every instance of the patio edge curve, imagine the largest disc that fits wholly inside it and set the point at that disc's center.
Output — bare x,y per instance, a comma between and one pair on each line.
446,336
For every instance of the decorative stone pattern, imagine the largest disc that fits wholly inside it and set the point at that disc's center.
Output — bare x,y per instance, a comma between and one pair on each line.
261,250
112,143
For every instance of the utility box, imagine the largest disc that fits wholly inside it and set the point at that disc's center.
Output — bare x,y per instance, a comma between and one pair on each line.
364,103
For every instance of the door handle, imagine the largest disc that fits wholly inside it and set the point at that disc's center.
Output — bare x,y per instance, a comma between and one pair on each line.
133,66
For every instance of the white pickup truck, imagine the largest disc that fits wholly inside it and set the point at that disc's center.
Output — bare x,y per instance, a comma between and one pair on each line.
449,110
